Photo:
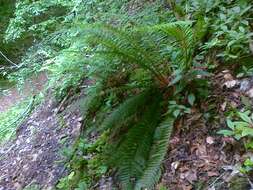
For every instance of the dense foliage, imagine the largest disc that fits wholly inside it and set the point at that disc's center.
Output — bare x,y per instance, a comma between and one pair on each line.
147,63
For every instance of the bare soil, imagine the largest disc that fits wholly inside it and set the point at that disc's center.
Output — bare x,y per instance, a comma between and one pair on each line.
31,87
35,156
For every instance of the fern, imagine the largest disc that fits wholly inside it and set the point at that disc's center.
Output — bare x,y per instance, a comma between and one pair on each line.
138,137
134,149
157,153
128,50
182,32
126,110
145,47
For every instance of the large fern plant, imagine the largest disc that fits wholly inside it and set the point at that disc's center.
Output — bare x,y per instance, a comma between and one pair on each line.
141,67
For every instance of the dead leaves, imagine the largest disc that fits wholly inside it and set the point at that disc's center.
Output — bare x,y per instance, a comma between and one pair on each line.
194,157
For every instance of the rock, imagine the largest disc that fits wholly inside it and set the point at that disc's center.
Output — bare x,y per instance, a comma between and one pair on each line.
250,93
244,85
231,84
209,140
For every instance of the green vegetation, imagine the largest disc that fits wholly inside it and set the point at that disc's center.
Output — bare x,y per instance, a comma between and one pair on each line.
149,64
11,118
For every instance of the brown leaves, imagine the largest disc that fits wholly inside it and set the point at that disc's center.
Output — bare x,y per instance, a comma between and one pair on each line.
195,155
190,176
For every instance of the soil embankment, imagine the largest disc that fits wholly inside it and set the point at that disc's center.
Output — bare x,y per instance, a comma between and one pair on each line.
13,96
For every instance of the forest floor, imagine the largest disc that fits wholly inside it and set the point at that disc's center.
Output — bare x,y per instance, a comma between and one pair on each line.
198,158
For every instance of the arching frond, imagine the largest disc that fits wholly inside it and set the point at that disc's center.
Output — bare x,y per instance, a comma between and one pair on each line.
182,33
159,148
126,110
133,151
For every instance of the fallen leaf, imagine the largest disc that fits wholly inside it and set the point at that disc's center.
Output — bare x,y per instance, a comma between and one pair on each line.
228,76
250,93
209,140
187,187
201,151
190,176
223,106
175,165
231,84
212,174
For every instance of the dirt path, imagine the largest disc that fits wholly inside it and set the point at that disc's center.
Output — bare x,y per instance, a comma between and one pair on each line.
34,157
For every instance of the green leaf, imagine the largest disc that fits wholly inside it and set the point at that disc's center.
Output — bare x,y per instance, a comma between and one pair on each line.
191,99
226,132
176,113
248,162
249,145
244,117
247,132
230,124
240,124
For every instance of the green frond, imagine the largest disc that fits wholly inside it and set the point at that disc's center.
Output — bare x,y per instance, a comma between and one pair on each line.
92,99
159,148
130,47
133,151
184,37
126,110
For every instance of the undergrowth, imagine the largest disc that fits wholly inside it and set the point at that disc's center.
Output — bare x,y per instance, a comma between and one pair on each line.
10,119
148,64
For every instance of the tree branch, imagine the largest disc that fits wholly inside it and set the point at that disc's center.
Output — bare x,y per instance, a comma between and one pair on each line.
7,59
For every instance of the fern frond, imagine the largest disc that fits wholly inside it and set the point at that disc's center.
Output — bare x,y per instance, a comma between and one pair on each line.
129,47
92,100
134,150
126,110
183,34
159,148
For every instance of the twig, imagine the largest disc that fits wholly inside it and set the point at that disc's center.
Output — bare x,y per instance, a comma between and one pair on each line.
62,103
212,184
7,59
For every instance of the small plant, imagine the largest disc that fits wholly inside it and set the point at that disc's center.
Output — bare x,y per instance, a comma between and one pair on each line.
84,163
242,127
247,166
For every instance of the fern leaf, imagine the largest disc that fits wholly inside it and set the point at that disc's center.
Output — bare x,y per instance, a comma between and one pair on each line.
134,150
182,32
159,149
126,110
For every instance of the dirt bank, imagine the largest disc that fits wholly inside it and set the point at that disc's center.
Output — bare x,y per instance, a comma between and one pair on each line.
32,86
